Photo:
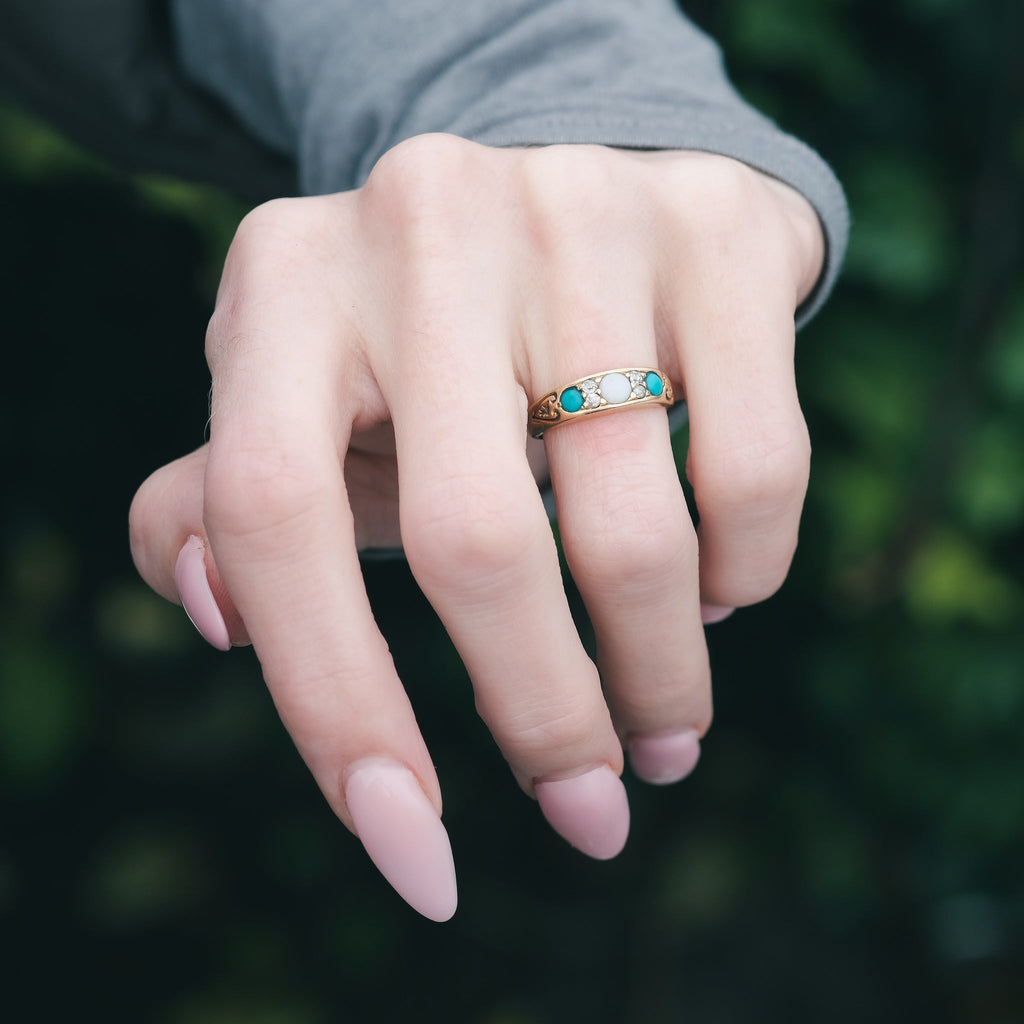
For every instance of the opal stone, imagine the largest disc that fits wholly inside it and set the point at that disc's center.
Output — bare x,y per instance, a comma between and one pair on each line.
615,388
571,400
654,384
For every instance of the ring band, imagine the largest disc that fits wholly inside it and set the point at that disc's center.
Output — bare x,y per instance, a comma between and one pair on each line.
599,393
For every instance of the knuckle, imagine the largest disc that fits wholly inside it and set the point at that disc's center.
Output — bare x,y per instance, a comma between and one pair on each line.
422,211
300,701
473,539
420,175
737,205
763,474
728,208
144,526
251,492
532,734
257,222
640,538
729,191
280,233
140,513
278,247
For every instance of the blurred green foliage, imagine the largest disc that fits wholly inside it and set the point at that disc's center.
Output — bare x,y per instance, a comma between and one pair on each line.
851,845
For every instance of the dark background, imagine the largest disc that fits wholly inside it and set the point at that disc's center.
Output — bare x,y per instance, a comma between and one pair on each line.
850,847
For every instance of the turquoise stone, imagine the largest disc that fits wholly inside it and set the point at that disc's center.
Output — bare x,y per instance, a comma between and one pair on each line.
654,384
571,399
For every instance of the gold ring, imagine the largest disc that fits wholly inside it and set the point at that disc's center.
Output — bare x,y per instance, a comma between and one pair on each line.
599,393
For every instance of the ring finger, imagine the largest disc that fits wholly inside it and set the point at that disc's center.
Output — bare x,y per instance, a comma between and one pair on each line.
632,550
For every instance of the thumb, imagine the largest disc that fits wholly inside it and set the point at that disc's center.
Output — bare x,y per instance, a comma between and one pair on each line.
172,553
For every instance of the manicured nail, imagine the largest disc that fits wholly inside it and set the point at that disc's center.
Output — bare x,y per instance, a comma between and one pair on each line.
663,758
590,811
403,835
712,613
196,596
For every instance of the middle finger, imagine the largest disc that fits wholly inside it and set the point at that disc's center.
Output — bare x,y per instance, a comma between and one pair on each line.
479,542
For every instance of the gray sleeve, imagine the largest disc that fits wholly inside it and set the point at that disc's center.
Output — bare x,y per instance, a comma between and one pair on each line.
336,83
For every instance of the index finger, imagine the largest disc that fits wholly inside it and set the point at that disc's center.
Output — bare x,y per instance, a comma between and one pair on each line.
282,533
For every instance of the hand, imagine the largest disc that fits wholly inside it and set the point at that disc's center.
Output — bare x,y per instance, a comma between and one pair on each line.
400,331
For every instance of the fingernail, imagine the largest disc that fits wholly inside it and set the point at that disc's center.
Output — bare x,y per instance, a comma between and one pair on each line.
403,835
590,811
196,596
663,758
712,613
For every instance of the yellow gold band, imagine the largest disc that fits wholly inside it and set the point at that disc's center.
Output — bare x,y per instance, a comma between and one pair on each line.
608,391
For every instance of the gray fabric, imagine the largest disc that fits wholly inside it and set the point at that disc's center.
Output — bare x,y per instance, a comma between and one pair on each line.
336,83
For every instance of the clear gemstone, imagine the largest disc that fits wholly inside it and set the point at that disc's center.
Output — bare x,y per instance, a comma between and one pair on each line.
588,387
635,377
592,401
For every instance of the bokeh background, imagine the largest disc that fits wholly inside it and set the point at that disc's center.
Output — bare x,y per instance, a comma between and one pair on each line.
852,845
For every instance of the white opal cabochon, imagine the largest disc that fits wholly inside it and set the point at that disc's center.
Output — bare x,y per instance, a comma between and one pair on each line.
615,388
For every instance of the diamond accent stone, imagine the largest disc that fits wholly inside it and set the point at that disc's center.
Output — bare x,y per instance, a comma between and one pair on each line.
592,401
588,387
635,377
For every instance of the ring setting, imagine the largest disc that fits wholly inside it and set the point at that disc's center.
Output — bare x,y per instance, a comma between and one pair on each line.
609,391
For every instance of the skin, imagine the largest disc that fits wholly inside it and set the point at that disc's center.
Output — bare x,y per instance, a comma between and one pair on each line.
389,340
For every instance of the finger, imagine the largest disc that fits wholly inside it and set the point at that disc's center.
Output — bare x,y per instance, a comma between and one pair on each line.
168,545
631,547
633,554
735,268
462,267
749,455
623,520
480,545
279,523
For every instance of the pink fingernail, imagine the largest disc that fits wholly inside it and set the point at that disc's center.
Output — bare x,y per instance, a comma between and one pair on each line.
403,835
590,811
663,758
196,596
712,613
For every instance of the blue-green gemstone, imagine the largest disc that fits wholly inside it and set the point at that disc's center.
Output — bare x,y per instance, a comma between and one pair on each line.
571,399
654,384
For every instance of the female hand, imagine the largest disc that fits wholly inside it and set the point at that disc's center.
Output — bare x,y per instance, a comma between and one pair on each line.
374,354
